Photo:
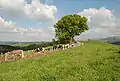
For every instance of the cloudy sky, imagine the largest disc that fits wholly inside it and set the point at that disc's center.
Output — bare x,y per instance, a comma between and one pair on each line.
33,20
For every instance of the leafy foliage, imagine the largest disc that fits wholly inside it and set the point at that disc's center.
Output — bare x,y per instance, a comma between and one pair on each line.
70,26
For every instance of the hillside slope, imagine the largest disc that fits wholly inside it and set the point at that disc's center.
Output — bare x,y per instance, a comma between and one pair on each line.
96,61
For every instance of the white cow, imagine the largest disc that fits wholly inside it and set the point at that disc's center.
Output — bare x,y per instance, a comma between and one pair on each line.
67,46
63,46
43,49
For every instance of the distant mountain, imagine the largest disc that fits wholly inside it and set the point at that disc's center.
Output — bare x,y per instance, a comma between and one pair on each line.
112,40
7,43
16,43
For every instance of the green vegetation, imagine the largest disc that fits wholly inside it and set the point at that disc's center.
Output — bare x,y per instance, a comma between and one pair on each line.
70,26
96,61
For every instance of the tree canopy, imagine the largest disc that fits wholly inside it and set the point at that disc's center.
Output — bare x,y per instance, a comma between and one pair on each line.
70,26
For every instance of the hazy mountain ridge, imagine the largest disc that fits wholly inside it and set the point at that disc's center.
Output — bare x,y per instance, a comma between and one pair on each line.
12,42
112,40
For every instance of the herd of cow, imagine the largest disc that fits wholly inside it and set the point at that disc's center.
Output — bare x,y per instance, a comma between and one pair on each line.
20,53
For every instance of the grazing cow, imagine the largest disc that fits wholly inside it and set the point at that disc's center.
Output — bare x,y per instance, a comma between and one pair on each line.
54,47
73,45
43,50
15,53
48,49
63,46
38,50
60,47
67,46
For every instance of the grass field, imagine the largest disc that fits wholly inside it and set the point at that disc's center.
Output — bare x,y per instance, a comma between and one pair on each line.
96,61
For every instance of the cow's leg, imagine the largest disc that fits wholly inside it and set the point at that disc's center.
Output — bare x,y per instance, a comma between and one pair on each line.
6,57
22,54
14,56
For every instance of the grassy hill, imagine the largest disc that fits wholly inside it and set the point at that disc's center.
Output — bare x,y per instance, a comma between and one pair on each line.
96,61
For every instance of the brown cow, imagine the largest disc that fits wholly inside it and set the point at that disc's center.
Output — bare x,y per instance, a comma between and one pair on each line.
14,53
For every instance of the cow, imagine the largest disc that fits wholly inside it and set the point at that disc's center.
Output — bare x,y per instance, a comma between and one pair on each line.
73,45
63,46
54,47
67,46
15,53
48,49
43,50
38,50
60,47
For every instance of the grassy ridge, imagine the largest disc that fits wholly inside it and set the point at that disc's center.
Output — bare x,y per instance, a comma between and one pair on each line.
96,61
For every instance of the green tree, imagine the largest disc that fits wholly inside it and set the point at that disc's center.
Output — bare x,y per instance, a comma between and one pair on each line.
70,26
63,41
53,41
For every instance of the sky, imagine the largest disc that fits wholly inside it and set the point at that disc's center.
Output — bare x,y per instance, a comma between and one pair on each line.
33,20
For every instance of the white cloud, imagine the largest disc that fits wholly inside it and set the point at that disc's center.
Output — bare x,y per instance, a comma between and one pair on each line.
34,10
9,31
102,23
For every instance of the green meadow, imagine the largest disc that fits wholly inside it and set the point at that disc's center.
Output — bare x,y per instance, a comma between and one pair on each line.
96,61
